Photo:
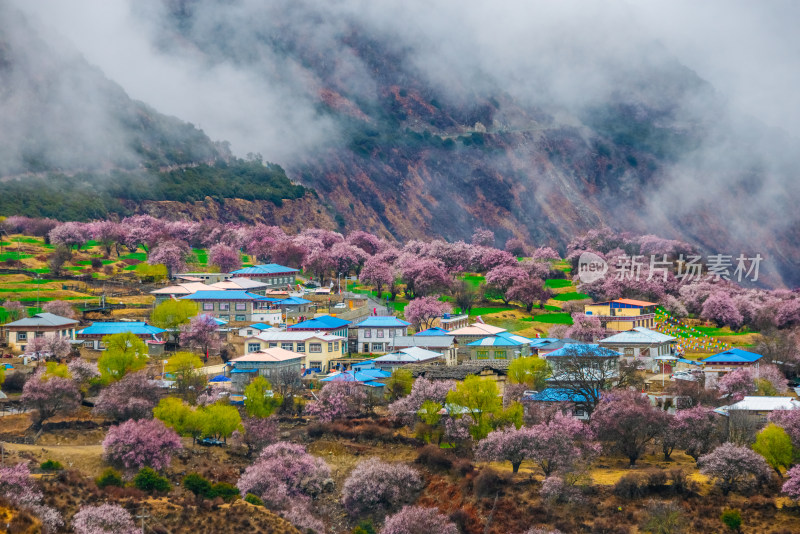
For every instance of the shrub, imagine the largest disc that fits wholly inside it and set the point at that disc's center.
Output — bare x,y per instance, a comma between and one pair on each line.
148,480
630,487
51,465
364,527
96,263
14,382
664,518
681,485
376,487
109,477
253,499
198,485
433,457
228,492
555,490
488,483
656,480
732,518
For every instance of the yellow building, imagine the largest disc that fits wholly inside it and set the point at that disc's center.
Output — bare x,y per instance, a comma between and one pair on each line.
316,348
622,315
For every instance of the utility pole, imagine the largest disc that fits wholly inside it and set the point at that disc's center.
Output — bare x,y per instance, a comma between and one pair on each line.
142,515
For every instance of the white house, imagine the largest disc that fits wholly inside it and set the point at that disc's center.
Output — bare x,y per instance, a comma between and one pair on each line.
376,333
390,362
641,343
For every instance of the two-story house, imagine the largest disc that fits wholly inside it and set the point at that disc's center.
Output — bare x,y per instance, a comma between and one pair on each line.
375,333
269,363
236,306
324,323
317,348
623,314
92,336
502,346
19,333
720,364
641,343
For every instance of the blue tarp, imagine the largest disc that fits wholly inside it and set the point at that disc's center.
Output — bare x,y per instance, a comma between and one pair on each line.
220,378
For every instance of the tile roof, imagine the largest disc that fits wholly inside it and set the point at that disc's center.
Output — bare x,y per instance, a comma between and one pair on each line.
44,319
101,328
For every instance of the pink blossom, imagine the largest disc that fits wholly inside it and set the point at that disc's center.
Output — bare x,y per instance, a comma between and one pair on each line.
516,247
423,390
346,258
137,444
172,254
483,238
695,430
70,234
133,397
60,307
558,445
369,243
721,308
585,328
792,485
734,468
285,472
627,422
418,520
501,278
789,420
508,444
50,396
50,347
102,519
225,257
546,254
377,272
376,487
423,311
338,400
201,333
260,432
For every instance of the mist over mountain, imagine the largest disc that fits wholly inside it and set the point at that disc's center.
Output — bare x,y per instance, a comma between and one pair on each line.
538,120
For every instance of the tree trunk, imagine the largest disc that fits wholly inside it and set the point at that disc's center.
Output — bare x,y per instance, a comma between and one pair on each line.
515,466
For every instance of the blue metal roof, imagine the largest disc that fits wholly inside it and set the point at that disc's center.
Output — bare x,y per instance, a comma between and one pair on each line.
259,326
503,339
325,322
367,375
557,395
236,370
269,268
293,301
221,294
733,356
101,328
690,362
435,331
382,321
592,349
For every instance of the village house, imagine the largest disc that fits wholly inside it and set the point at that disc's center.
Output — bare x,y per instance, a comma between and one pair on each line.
496,370
177,291
449,321
365,376
375,333
210,278
19,333
255,329
467,334
269,363
623,314
241,284
642,343
502,346
92,336
719,364
317,348
296,308
433,339
324,323
586,358
394,360
272,274
236,306
565,399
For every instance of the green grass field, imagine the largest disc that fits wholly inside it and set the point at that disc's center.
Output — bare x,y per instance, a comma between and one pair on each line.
564,297
721,332
13,255
141,256
557,283
553,318
202,255
473,280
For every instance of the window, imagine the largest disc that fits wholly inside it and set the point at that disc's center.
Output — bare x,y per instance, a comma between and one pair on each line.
224,317
249,332
315,365
315,347
380,332
483,354
224,306
241,306
377,347
335,345
38,334
330,346
629,352
499,355
301,347
88,344
22,336
399,332
101,346
253,347
273,345
286,346
241,318
63,332
391,332
208,306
